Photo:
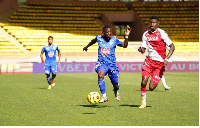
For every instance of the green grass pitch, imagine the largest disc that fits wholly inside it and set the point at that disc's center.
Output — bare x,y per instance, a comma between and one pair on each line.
26,101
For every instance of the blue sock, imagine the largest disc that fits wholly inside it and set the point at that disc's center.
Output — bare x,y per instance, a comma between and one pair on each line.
116,88
53,76
102,85
49,80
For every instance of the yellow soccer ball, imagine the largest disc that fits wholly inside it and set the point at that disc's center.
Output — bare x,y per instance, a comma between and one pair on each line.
93,98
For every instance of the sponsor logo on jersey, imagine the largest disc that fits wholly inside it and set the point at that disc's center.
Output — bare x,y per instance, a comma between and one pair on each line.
51,54
105,51
152,38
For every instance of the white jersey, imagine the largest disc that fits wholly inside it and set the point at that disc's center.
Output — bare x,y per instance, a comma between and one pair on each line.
156,42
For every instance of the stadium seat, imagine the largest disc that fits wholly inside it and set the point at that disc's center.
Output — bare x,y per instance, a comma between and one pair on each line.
71,25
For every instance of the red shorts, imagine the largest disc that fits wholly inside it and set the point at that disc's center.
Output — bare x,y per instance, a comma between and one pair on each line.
153,68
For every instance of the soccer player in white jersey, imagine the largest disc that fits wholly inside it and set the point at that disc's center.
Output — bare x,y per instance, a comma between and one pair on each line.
155,39
50,61
106,63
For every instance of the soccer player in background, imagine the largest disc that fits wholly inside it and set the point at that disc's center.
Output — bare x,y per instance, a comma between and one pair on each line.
156,40
50,61
106,63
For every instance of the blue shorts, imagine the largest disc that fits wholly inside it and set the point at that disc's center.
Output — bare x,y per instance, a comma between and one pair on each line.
112,71
50,69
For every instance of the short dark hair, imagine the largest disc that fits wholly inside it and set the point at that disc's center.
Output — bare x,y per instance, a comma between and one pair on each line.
104,28
50,37
154,17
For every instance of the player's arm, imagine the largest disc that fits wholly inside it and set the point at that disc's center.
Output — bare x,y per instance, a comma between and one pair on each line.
142,48
169,43
59,56
42,59
171,51
126,32
90,44
41,55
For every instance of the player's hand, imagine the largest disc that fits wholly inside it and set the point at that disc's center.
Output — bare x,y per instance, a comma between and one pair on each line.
42,60
127,31
165,63
58,61
85,49
140,49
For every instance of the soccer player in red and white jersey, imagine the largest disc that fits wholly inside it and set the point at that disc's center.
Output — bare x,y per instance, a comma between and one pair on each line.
155,40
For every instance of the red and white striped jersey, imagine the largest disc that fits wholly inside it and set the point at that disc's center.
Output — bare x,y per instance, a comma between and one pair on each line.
156,43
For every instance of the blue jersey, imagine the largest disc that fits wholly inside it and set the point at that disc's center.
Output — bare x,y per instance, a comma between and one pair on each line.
106,51
50,53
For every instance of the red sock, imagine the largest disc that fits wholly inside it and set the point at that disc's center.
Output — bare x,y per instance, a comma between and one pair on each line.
143,90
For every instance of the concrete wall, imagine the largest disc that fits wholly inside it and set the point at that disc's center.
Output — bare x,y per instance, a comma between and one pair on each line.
6,9
138,27
6,5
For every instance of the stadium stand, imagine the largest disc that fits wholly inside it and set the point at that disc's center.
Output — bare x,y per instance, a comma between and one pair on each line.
7,46
72,25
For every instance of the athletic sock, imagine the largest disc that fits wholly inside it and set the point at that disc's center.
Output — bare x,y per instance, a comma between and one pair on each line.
49,80
102,85
53,76
143,94
116,88
163,81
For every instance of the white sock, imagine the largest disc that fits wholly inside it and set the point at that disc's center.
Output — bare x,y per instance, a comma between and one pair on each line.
104,95
163,81
143,96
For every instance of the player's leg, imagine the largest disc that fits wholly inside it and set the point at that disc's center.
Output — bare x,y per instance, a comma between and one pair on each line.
102,86
54,71
52,79
152,86
157,73
113,75
143,89
146,71
102,71
47,72
164,83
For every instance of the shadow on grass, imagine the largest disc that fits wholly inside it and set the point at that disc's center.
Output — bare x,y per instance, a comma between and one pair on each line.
94,106
41,88
132,105
90,113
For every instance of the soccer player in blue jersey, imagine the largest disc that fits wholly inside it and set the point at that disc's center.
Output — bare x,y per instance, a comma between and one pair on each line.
50,61
106,63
